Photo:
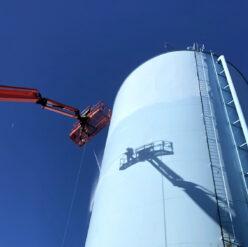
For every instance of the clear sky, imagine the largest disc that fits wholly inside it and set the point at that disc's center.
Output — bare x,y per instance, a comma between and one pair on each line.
79,52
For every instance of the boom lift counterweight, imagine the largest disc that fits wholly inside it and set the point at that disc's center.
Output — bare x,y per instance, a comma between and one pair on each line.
90,121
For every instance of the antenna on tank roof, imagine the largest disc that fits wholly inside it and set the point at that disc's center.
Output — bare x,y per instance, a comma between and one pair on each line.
168,46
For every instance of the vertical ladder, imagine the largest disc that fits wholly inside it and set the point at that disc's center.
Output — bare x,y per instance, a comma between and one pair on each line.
234,116
218,172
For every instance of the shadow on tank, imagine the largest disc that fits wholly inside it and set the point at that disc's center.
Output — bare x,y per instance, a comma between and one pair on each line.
146,152
204,198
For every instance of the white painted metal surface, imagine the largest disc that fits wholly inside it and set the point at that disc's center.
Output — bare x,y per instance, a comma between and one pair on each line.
235,97
160,200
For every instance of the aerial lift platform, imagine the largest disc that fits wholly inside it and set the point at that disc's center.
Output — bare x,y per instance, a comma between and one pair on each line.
90,121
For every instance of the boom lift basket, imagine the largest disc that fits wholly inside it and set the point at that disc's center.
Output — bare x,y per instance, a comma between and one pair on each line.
97,117
91,120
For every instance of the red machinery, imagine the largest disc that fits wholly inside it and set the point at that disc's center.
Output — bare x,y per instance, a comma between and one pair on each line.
90,121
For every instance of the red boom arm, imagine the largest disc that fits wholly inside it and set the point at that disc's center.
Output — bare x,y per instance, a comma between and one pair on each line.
91,121
19,94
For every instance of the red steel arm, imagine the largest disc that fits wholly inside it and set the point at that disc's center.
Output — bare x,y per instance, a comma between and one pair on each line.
19,94
55,106
91,121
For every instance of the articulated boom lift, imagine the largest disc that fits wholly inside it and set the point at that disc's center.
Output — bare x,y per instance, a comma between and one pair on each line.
90,121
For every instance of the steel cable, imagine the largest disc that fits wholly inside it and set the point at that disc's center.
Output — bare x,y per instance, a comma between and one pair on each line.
73,198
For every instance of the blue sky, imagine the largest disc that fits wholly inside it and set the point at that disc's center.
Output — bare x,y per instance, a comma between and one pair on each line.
79,52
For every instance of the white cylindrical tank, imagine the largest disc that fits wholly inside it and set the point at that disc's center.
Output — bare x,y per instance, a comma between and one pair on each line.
172,172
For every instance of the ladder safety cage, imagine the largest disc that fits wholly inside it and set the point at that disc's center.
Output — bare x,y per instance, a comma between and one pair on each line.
235,100
217,166
235,118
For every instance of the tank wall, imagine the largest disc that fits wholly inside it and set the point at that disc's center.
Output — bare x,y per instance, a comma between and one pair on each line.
169,203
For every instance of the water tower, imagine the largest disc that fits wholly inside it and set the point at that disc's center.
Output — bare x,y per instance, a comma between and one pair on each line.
175,166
